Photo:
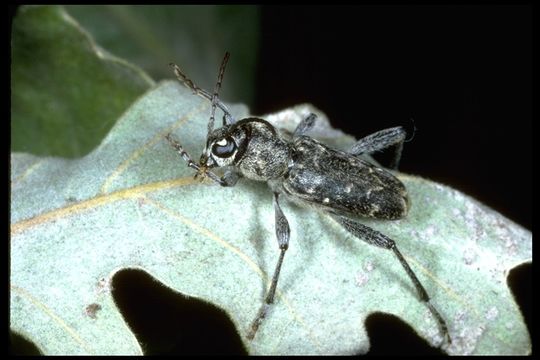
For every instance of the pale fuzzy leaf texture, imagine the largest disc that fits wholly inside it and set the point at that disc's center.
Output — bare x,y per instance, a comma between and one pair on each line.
133,203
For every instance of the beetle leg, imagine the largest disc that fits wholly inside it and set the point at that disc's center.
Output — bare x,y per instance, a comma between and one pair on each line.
230,178
305,125
282,233
380,140
376,238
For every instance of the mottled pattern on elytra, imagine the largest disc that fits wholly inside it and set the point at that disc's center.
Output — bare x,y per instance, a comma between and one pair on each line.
342,183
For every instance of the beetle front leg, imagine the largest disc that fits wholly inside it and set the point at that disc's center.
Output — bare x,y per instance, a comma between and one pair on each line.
376,238
282,233
380,140
230,178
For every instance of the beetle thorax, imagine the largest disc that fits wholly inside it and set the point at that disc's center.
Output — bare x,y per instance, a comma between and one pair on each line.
266,155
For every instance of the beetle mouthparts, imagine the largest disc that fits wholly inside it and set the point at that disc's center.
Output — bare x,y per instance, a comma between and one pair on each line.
201,172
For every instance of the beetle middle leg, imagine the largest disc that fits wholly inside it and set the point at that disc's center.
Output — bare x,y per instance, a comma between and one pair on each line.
376,238
282,233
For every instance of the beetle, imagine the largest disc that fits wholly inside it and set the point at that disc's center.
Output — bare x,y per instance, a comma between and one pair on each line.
308,173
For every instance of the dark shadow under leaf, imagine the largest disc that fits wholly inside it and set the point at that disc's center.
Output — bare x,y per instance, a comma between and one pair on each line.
167,323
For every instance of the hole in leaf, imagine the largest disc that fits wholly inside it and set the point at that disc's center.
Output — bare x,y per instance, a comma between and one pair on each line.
389,335
520,282
166,322
19,345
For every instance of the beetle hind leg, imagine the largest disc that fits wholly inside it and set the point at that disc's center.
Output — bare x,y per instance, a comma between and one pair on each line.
305,125
376,238
381,140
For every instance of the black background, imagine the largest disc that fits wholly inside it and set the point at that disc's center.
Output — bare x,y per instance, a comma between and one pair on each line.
463,73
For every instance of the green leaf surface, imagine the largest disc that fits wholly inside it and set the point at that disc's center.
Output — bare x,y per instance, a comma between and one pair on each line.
133,203
193,36
66,92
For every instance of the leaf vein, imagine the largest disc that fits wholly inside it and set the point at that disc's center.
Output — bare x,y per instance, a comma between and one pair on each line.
55,317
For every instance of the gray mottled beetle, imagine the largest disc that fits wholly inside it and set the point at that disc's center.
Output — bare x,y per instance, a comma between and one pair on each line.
308,173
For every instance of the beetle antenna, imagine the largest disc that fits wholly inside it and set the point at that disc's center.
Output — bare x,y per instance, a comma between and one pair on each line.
187,82
215,97
413,132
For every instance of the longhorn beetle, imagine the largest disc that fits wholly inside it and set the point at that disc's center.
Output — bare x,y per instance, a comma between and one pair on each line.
308,173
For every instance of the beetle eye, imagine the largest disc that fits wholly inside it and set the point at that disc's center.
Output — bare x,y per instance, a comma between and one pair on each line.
224,148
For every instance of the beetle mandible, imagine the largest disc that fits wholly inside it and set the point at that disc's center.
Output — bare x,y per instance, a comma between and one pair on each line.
308,173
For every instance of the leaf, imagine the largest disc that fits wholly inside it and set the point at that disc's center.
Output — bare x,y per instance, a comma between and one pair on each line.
133,203
193,36
66,92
